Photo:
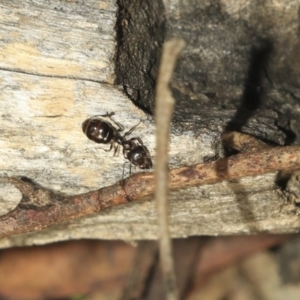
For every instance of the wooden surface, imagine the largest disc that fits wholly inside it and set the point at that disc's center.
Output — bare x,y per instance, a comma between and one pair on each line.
57,69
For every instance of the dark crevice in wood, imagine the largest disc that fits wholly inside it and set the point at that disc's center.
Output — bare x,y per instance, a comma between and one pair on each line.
253,91
140,31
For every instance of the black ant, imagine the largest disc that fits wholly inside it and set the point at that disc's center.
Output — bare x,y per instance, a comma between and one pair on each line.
101,131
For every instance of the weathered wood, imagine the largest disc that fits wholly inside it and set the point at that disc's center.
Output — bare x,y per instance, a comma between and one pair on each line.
56,69
60,39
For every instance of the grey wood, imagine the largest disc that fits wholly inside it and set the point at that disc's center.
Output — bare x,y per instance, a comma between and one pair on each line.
57,69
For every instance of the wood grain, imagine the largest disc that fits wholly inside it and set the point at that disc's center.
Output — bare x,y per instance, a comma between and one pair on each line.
64,39
57,69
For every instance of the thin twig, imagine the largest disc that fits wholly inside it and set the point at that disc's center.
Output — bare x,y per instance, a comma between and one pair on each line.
138,187
163,113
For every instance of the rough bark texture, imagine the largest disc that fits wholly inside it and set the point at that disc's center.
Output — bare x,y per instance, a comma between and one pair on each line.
58,63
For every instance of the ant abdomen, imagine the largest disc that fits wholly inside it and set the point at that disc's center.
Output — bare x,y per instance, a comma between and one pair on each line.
98,130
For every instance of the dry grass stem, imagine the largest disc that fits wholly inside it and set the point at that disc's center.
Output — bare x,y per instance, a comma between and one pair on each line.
163,114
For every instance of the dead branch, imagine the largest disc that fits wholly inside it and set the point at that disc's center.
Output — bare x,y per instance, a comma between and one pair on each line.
60,209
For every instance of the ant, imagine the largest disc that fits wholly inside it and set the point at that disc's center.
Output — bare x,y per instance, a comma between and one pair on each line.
102,131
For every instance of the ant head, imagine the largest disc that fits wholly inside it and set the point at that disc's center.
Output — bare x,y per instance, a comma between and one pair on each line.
140,157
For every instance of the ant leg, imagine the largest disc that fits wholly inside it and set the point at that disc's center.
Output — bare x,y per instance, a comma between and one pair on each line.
108,115
131,129
124,165
123,176
137,139
111,146
125,153
117,150
121,127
